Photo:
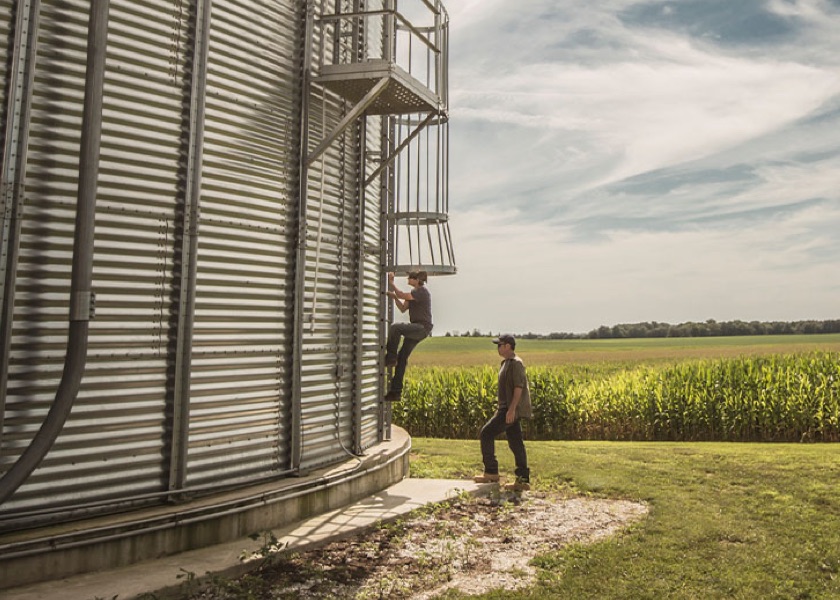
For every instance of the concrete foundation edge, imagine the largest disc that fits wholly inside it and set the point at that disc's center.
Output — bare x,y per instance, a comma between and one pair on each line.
121,540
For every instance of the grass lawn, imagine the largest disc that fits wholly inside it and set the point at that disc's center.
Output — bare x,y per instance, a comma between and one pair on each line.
468,352
726,520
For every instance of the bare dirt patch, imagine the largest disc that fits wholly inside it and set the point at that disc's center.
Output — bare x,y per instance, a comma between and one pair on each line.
470,544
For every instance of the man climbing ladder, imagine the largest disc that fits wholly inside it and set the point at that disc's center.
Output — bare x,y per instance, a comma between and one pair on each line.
418,303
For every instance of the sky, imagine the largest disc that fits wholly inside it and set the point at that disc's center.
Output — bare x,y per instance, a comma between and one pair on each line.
615,161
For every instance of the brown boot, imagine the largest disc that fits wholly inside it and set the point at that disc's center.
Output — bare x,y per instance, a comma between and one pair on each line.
487,478
520,485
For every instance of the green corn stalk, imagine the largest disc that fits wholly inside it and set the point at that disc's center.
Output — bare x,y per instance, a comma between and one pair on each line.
770,398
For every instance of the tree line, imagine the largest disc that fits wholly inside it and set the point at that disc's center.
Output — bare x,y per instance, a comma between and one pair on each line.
709,328
712,328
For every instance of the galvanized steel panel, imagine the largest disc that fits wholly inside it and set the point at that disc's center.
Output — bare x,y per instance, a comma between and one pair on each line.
40,313
115,445
372,326
112,444
6,32
327,369
240,407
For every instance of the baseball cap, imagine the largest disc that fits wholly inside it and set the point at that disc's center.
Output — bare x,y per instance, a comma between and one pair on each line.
505,338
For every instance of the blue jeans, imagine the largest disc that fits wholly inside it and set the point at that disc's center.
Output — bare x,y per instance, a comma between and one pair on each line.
411,334
513,432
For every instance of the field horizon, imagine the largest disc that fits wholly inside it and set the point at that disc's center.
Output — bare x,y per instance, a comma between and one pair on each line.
442,351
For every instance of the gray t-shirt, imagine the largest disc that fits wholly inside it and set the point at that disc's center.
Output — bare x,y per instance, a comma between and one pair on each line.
420,308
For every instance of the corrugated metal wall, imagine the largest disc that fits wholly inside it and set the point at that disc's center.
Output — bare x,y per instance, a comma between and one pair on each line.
340,387
371,303
118,442
327,377
6,14
240,410
113,444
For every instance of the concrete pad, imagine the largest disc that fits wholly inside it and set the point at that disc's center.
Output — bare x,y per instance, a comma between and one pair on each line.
161,576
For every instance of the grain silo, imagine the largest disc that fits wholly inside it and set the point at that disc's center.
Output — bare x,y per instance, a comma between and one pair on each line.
201,201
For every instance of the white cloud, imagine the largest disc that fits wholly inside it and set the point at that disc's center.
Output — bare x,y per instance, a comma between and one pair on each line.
470,13
680,106
532,277
814,11
734,206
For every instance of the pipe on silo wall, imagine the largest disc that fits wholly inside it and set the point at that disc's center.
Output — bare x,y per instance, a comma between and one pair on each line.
295,441
359,313
18,111
81,295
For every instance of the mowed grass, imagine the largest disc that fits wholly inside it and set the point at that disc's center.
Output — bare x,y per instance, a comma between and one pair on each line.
472,352
726,520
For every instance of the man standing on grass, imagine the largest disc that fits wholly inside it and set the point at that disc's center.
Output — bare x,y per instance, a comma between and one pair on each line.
514,404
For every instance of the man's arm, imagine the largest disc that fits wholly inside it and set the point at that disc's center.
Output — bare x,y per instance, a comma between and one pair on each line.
519,381
396,293
510,417
401,304
399,297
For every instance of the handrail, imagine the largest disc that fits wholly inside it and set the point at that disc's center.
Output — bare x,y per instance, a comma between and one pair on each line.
419,32
432,35
366,13
436,10
353,46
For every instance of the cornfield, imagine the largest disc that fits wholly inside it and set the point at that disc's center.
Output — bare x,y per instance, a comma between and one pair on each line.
778,398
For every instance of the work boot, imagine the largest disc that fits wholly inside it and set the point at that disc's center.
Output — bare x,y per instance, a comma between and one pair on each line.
392,396
520,485
487,478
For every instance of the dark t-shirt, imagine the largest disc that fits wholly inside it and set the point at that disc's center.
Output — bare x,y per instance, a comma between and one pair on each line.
420,308
512,375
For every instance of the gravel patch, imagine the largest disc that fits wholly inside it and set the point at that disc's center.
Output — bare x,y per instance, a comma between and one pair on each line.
472,545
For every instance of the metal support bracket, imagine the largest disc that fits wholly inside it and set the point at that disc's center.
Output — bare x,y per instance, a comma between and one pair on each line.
348,119
388,160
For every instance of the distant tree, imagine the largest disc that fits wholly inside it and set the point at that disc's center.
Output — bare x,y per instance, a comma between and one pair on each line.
810,327
619,331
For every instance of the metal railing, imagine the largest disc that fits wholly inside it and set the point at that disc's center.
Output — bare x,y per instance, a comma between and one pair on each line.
419,209
363,47
409,34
